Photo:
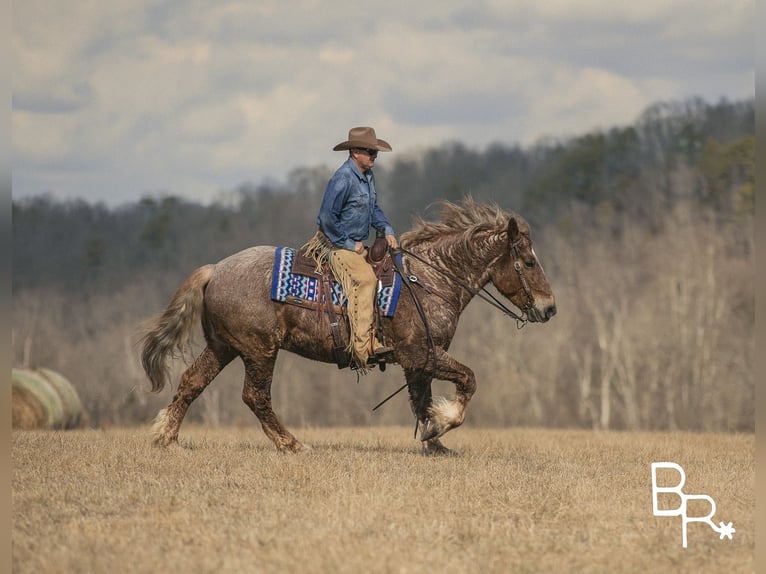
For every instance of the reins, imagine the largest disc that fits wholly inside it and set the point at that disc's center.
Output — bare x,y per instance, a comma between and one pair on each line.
431,345
482,293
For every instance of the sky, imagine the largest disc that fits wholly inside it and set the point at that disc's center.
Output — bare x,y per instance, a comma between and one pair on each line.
117,100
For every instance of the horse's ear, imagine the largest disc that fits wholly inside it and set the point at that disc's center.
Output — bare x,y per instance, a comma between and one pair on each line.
513,230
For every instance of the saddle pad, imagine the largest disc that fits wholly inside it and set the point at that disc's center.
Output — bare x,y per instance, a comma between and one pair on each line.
285,283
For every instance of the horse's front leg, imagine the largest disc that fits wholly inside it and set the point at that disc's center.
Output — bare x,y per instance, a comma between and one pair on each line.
419,386
443,414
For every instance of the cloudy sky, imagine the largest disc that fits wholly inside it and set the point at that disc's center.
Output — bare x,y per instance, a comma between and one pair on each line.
119,99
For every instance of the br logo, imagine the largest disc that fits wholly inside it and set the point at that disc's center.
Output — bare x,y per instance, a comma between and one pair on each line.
682,509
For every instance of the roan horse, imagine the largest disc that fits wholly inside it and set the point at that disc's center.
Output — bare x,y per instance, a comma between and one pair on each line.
449,261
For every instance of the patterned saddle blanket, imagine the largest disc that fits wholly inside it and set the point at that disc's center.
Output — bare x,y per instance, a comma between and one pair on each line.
295,281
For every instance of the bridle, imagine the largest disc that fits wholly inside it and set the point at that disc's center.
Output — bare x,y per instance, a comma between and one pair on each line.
519,267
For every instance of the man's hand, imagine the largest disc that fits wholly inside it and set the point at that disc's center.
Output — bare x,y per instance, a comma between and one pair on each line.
392,242
359,247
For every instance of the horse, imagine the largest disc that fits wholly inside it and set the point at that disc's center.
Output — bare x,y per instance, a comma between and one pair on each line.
447,262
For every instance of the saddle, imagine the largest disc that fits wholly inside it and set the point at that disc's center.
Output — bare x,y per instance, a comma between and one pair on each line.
303,285
304,265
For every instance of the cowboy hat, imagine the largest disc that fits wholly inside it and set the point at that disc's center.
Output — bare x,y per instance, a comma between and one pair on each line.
365,138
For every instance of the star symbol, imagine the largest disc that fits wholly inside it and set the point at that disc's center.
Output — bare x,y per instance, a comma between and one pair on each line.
726,530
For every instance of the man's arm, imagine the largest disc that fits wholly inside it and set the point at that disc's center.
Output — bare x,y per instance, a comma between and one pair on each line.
329,213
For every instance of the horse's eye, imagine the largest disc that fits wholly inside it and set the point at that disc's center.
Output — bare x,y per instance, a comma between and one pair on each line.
530,263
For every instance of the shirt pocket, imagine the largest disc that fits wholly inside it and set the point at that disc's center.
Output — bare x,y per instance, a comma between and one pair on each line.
359,198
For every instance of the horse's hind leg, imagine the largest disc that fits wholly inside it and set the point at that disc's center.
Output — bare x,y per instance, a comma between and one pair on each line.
194,380
257,395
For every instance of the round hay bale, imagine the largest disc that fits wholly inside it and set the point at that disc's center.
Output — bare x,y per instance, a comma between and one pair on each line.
73,411
43,398
45,395
27,411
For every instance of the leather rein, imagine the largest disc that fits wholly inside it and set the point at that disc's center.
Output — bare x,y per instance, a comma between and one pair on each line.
482,293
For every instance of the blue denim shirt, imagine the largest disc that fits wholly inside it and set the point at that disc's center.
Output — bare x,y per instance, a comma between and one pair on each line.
350,206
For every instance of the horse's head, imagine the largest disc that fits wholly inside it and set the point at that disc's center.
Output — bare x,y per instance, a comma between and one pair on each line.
518,275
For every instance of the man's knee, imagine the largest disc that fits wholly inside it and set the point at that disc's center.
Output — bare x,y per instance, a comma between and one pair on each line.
368,281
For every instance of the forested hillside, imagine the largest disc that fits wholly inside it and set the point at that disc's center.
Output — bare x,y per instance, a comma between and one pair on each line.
645,232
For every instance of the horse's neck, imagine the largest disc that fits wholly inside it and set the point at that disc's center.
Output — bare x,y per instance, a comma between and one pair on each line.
467,267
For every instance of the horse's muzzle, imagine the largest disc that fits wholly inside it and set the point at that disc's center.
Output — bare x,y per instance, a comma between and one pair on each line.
537,315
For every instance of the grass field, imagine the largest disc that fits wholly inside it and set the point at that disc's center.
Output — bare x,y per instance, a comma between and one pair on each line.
365,500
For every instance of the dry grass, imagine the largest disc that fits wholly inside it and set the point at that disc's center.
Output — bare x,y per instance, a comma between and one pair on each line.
364,500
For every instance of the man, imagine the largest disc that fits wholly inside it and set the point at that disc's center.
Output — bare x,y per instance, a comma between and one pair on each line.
349,208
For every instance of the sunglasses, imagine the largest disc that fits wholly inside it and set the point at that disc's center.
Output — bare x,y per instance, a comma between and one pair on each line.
369,152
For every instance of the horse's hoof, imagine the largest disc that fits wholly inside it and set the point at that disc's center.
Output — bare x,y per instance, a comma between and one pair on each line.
430,430
443,415
161,431
294,447
163,439
165,442
436,448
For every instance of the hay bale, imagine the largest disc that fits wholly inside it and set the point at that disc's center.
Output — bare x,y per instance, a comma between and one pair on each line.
27,411
44,399
73,411
45,395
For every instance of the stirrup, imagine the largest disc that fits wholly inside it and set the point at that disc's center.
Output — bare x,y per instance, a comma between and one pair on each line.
382,351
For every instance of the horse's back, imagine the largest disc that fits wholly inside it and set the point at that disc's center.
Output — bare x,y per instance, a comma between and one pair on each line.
241,285
245,263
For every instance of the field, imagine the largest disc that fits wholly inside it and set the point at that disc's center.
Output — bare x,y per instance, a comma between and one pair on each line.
365,500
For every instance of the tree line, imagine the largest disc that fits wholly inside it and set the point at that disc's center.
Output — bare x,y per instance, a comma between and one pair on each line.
645,232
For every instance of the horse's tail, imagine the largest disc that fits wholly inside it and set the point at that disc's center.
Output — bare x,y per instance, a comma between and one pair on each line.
171,331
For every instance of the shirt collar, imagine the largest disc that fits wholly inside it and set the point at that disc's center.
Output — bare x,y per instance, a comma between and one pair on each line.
355,168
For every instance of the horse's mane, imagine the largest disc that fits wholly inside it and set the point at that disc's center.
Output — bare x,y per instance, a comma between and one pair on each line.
461,221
